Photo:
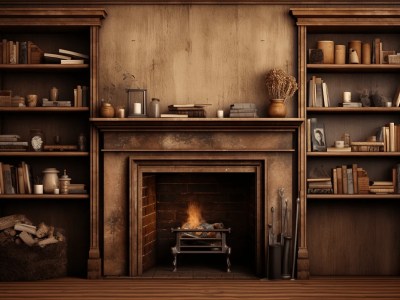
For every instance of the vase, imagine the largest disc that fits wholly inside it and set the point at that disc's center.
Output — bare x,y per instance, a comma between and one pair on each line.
50,180
107,110
277,108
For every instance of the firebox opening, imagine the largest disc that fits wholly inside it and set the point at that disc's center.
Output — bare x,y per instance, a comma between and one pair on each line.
211,198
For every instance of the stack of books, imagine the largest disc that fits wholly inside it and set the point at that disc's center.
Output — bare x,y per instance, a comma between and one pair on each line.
322,185
12,142
243,110
65,57
191,110
382,187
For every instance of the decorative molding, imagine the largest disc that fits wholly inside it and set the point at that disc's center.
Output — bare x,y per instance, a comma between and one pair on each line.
15,3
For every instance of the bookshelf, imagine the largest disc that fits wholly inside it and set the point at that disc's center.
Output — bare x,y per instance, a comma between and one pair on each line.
345,234
52,29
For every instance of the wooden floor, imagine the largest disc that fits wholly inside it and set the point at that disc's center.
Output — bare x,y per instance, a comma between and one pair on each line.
77,289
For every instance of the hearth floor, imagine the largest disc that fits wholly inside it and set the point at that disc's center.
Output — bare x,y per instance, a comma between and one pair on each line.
193,271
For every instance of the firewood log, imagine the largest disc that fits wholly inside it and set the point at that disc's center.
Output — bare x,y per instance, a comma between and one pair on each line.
10,221
42,230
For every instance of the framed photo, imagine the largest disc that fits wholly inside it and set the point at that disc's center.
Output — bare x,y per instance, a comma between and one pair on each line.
318,139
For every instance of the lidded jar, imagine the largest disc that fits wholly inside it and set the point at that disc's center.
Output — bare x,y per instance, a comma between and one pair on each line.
50,180
64,183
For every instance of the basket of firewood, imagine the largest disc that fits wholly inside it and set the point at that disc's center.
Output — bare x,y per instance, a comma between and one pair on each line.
29,252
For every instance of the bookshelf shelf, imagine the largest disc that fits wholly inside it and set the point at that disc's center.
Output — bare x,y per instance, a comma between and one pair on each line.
353,68
44,196
44,109
42,67
43,154
340,110
356,154
354,196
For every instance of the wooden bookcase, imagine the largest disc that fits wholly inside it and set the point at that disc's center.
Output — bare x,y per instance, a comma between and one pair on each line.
50,29
348,234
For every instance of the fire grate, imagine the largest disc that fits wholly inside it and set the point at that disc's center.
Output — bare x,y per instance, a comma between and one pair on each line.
201,241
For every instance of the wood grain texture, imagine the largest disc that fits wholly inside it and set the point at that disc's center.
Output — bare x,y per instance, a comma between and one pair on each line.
72,288
195,54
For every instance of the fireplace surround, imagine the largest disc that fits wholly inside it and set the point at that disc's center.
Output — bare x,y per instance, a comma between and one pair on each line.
133,149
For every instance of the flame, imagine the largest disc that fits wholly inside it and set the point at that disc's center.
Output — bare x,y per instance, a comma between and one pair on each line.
194,218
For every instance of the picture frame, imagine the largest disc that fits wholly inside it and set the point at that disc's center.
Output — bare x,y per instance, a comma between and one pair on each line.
318,138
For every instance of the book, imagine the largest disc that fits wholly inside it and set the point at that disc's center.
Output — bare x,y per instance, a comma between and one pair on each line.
1,179
318,92
72,61
7,177
73,53
334,178
243,105
344,179
54,57
335,149
355,178
23,52
243,115
35,54
396,98
173,116
339,180
350,184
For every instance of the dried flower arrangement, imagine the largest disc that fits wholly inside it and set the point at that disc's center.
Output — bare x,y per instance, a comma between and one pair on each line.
280,85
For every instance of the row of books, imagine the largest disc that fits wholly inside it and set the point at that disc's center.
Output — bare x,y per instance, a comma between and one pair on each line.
381,56
15,179
15,52
390,136
352,179
318,95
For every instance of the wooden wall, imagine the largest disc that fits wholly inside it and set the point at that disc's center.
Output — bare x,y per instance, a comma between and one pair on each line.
216,54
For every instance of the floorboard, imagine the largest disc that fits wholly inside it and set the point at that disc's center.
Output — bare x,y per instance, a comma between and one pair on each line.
145,288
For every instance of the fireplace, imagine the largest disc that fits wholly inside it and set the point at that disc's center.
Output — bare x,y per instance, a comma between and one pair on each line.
152,168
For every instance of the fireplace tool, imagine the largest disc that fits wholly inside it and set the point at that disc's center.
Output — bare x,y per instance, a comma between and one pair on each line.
295,237
275,250
285,241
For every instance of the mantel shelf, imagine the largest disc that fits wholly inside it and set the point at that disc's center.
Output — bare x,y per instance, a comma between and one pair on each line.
115,124
353,196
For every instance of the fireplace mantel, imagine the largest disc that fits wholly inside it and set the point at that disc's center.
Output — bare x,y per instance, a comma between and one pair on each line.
268,142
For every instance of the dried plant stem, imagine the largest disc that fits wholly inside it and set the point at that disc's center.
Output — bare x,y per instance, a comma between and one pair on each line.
280,85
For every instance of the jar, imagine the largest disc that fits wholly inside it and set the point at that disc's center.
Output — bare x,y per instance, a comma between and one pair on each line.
106,110
36,140
277,108
154,108
53,94
64,183
50,180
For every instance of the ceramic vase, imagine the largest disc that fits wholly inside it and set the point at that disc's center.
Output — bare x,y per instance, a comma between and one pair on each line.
277,108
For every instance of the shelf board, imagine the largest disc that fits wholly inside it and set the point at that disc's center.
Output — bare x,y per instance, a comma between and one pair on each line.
45,196
354,196
43,153
44,109
353,68
42,67
344,153
353,109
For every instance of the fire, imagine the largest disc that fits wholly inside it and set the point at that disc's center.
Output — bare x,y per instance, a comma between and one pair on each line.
194,218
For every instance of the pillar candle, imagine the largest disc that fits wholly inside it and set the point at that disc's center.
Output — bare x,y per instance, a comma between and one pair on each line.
137,108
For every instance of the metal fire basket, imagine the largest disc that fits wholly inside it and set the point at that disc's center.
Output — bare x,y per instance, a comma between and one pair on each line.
198,241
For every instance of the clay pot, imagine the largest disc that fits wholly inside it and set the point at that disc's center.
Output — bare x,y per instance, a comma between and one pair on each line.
107,110
277,108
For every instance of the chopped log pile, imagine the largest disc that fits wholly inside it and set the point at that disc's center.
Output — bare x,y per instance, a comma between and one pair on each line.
18,229
29,252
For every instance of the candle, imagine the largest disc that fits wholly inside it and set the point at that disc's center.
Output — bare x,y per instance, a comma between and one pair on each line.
220,113
137,108
121,112
346,96
38,189
56,191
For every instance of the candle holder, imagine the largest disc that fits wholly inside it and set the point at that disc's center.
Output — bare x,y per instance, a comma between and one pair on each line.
137,103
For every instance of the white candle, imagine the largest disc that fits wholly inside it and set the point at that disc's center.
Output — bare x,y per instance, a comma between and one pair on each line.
56,191
137,108
346,96
38,189
220,113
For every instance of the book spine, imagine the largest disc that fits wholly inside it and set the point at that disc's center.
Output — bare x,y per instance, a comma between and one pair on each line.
398,178
344,178
350,184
